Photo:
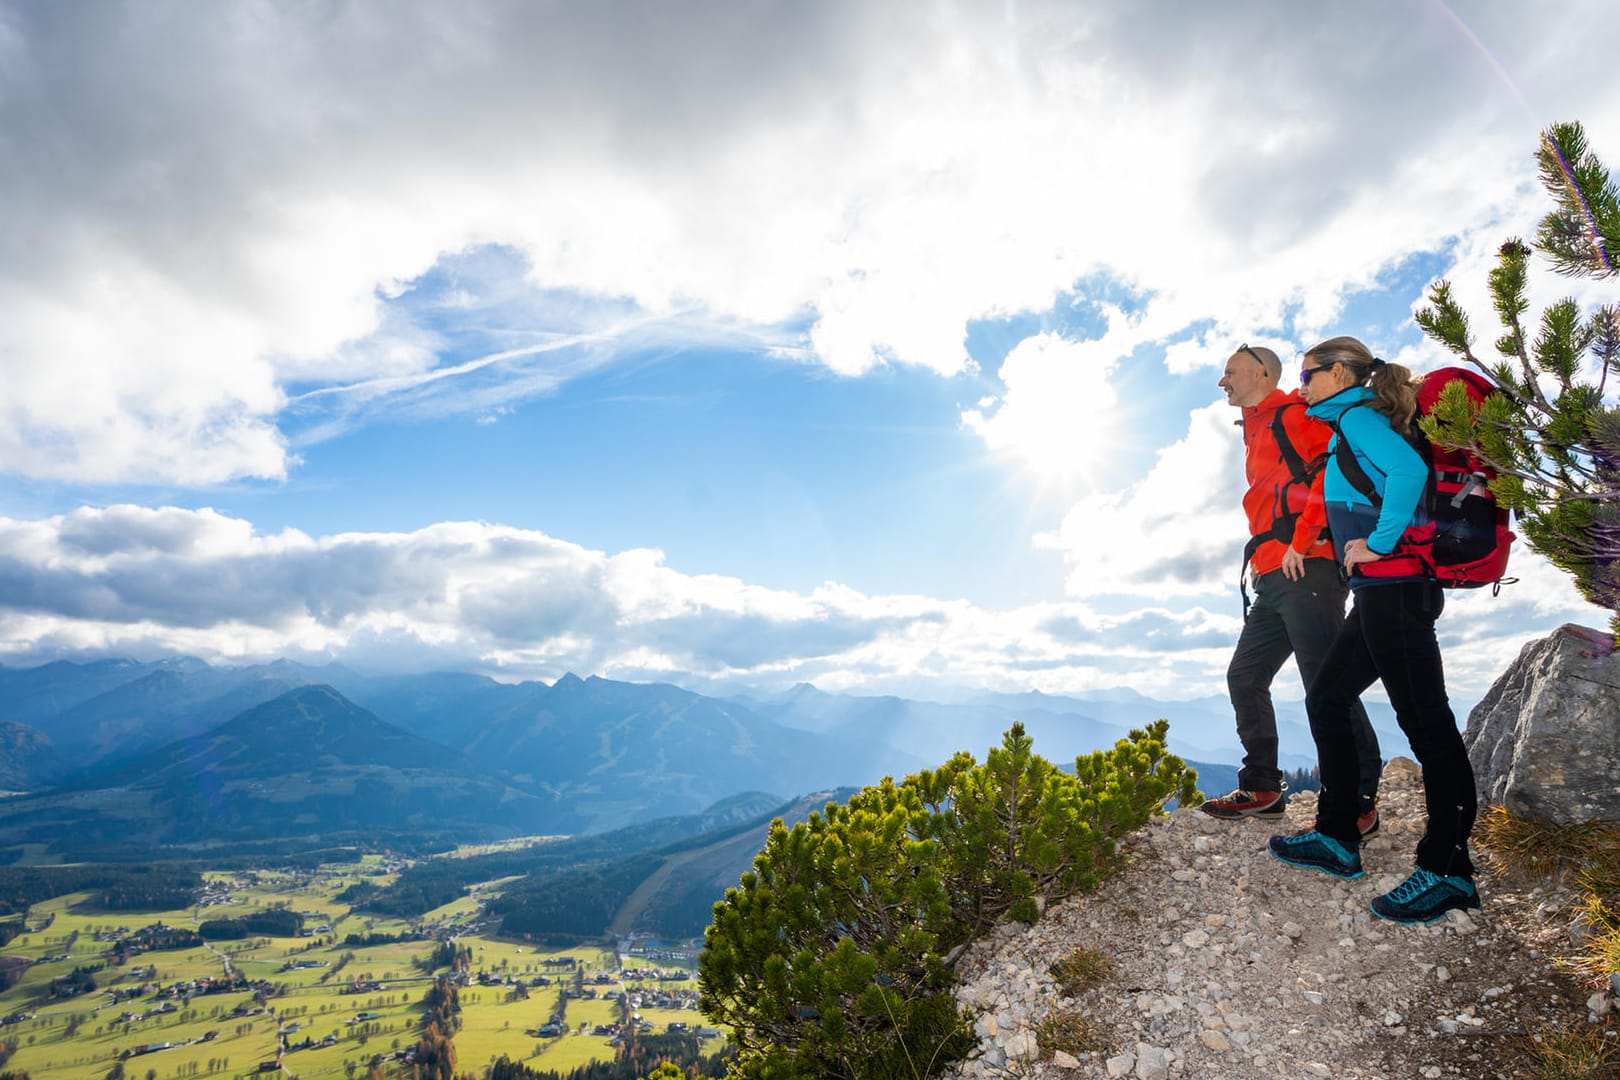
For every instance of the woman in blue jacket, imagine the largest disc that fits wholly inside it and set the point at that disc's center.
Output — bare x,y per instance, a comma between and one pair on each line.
1388,636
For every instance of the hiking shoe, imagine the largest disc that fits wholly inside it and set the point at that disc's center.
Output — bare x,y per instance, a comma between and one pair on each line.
1425,897
1310,848
1242,803
1367,824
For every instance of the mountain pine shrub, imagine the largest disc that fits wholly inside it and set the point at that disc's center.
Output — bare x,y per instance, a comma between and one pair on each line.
1553,432
833,956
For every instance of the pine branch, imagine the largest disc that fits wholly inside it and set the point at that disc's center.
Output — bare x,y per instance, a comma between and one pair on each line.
1579,236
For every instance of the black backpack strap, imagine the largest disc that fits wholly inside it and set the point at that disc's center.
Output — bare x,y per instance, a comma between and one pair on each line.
1350,467
1303,472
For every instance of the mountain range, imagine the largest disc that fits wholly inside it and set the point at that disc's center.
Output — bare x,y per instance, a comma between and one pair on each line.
181,753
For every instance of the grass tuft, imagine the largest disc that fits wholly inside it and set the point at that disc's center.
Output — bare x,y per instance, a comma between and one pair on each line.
1081,969
1589,853
1546,849
1071,1032
1599,954
1573,1055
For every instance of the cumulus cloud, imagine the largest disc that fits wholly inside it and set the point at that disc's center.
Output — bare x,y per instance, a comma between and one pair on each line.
1059,412
130,580
213,207
158,581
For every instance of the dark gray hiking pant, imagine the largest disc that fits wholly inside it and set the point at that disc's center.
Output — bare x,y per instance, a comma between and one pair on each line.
1299,618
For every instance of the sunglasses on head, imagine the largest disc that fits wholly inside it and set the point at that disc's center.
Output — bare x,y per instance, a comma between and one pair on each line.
1245,348
1305,373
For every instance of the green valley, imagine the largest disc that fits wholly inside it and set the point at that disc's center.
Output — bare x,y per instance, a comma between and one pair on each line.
92,992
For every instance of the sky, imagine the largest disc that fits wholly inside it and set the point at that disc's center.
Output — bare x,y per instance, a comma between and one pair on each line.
731,345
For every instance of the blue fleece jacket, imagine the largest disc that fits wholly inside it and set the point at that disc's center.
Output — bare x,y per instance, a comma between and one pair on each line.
1397,471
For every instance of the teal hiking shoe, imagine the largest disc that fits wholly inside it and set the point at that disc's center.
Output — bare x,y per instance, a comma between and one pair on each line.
1310,848
1425,897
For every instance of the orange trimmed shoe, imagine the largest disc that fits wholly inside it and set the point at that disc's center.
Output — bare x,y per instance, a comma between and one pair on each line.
1242,803
1367,824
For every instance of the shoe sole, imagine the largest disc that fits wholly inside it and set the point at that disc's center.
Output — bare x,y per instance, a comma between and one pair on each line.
1330,870
1370,833
1462,905
1233,815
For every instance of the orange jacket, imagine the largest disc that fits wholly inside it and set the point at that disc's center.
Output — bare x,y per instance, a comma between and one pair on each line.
1274,490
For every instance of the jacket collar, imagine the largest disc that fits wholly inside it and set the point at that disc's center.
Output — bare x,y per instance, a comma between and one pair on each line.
1330,409
1272,402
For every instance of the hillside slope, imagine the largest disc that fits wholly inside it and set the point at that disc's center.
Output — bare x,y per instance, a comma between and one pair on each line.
1229,964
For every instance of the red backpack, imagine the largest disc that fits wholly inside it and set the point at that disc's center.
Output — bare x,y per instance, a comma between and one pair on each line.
1462,533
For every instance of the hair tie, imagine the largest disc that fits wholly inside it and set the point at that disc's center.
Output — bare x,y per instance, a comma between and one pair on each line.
1377,364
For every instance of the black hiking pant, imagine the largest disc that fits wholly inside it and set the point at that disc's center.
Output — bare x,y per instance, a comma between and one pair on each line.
1389,636
1298,618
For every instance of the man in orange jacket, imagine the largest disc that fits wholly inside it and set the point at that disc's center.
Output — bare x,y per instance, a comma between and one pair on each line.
1299,595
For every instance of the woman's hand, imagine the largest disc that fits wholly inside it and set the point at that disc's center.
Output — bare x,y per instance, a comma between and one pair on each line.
1293,565
1357,552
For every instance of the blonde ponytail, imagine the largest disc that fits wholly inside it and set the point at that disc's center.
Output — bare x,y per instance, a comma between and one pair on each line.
1394,389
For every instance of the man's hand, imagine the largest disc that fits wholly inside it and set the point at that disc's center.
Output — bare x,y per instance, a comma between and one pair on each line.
1357,552
1293,565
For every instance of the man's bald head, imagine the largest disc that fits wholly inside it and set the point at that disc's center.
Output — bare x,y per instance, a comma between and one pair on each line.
1251,374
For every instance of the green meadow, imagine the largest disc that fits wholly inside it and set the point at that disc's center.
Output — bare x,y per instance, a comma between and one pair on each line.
328,1008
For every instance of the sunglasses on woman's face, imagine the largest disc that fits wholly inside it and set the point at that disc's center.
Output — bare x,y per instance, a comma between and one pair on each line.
1305,373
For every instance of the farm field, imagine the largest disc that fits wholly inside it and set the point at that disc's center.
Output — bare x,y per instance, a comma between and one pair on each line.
308,1005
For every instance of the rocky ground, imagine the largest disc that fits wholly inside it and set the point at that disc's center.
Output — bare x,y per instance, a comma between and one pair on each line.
1227,964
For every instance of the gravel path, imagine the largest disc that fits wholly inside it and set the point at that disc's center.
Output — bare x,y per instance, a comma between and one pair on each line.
1229,965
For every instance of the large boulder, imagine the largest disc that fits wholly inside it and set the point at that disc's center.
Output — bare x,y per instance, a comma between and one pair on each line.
1545,742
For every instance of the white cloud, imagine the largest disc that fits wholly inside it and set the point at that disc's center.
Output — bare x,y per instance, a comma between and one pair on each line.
145,581
209,204
1058,412
129,580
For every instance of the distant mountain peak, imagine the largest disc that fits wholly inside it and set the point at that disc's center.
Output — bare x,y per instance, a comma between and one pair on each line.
569,681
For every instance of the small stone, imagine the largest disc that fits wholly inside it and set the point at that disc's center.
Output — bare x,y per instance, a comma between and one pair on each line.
1120,1066
1316,1068
1442,974
1195,939
1293,931
1598,1005
1214,1040
1313,997
1065,1060
1393,1019
1152,1062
